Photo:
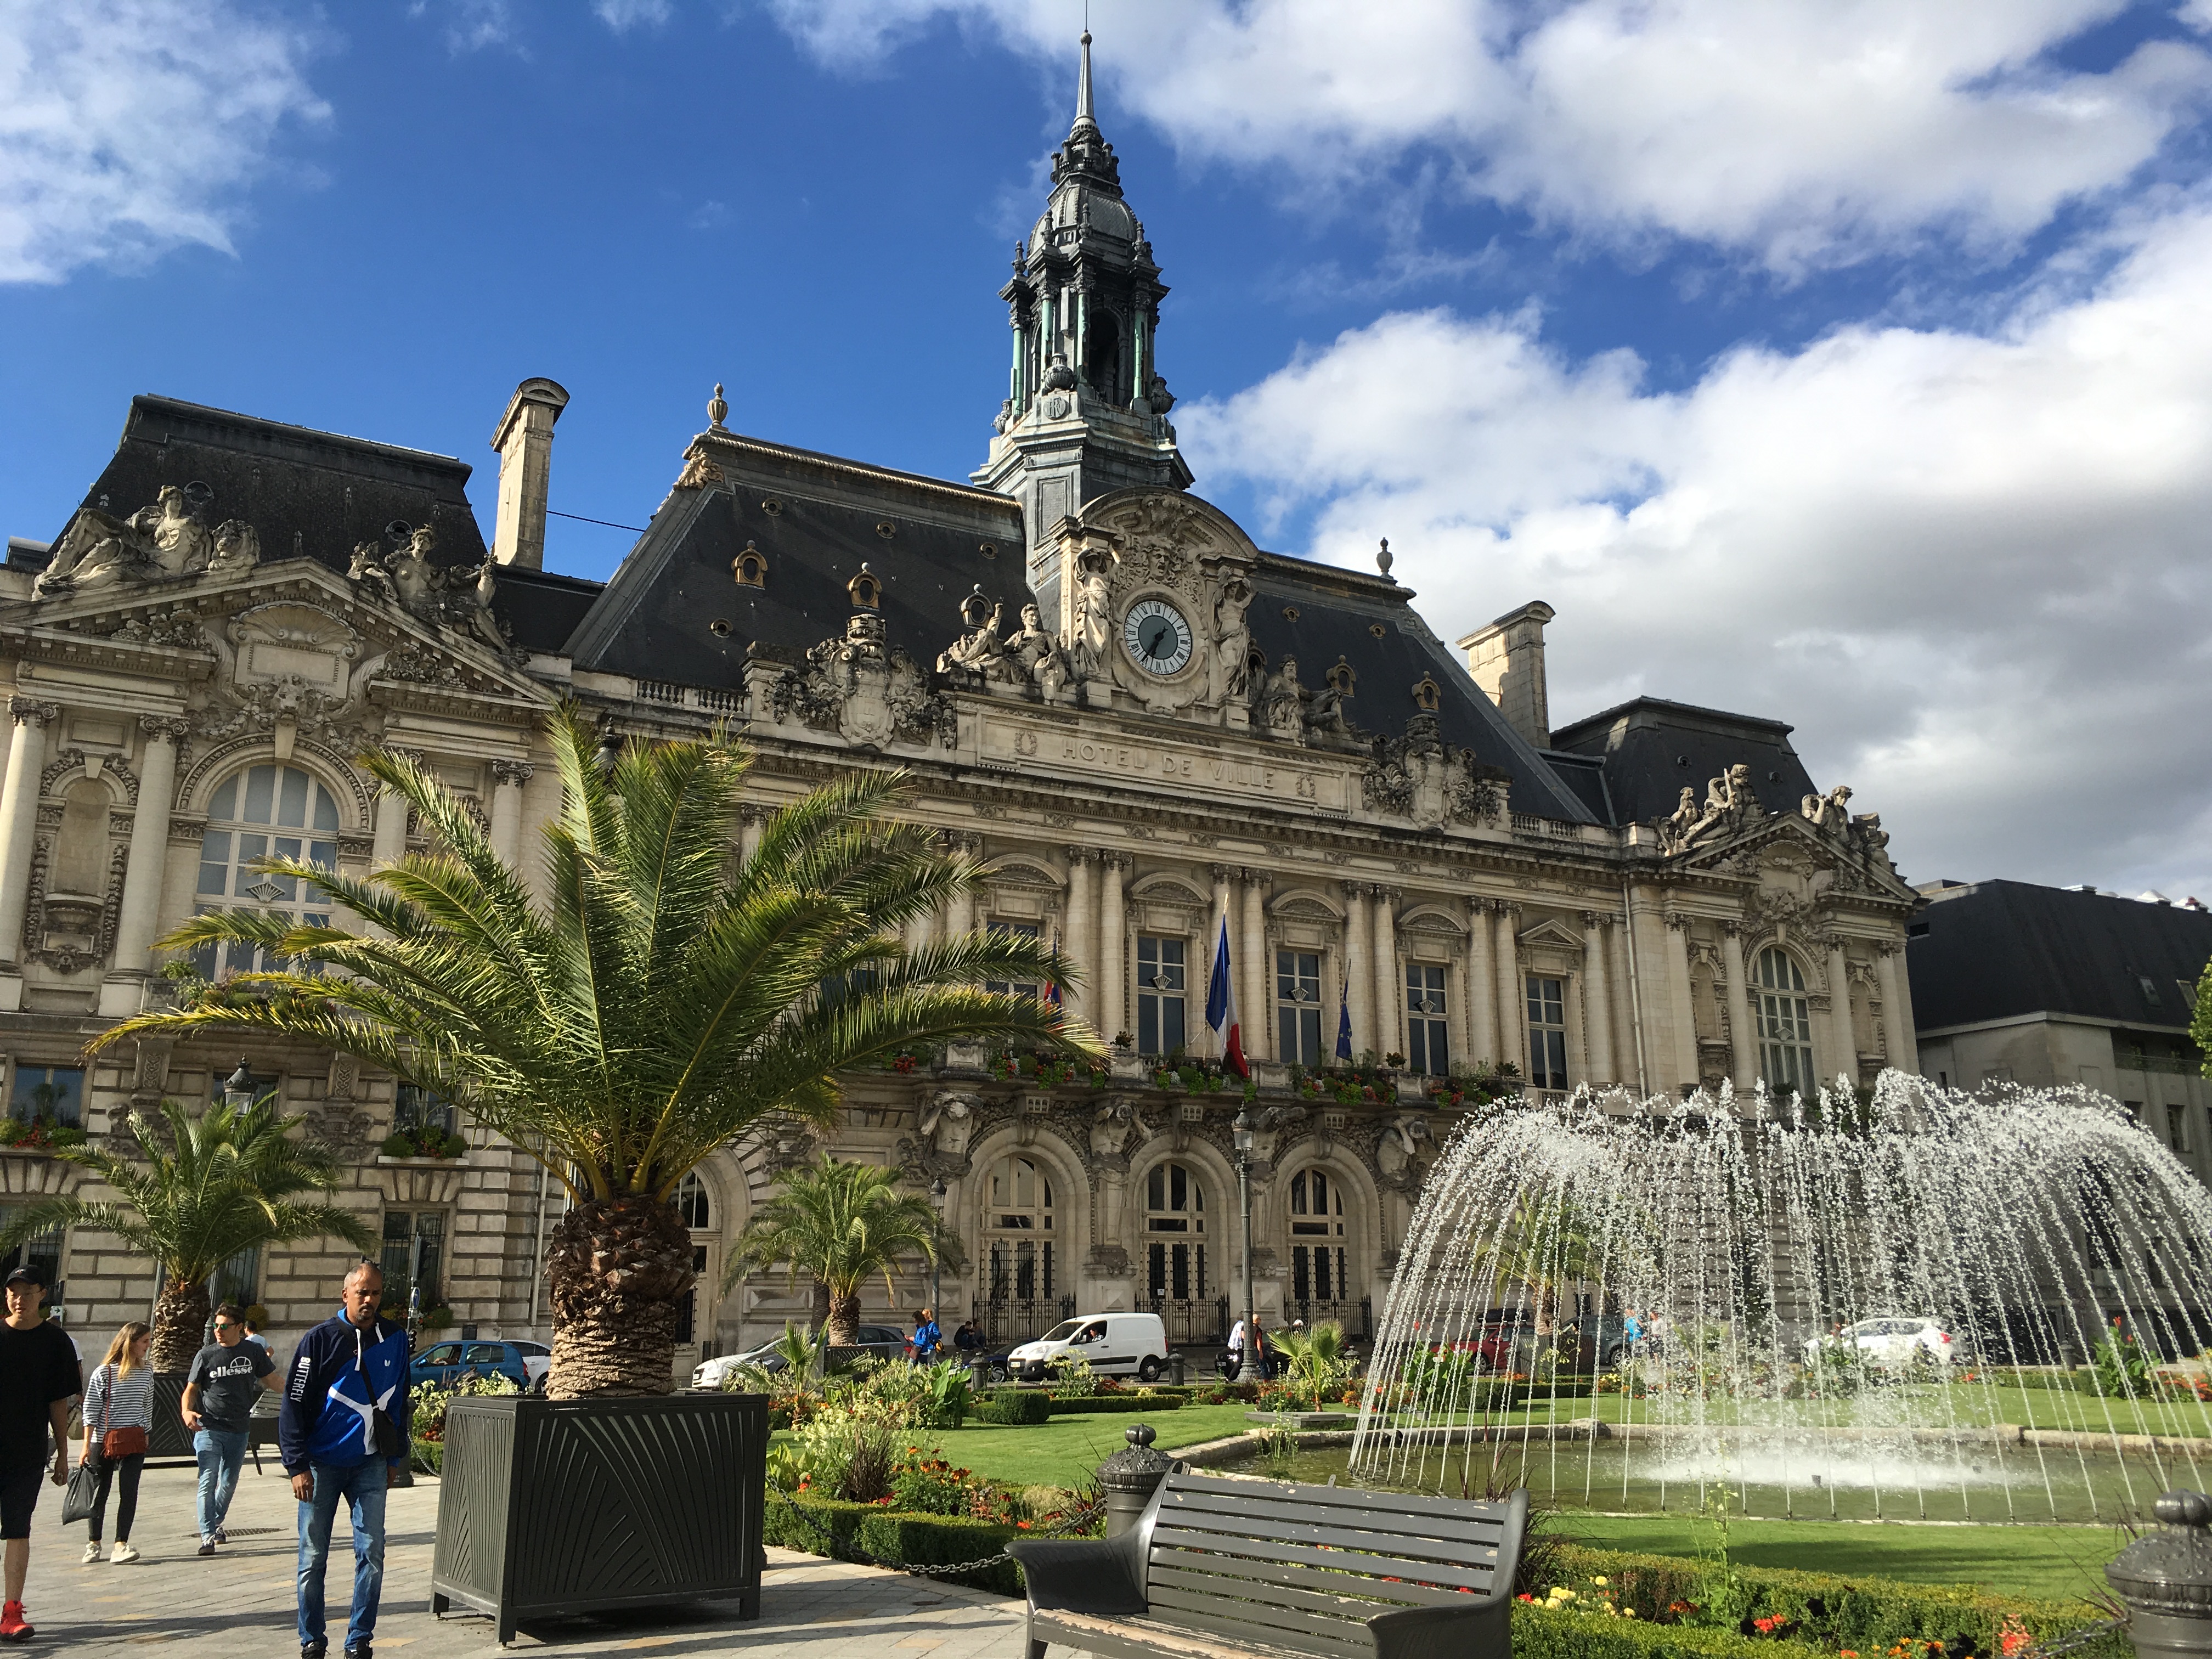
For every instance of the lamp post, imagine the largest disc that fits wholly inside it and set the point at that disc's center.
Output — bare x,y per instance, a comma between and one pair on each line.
1247,1369
937,1260
238,1087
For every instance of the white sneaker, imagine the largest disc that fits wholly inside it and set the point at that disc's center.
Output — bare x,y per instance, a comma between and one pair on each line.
123,1556
91,1551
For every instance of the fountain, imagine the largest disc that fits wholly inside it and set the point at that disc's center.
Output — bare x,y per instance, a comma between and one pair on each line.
1892,1305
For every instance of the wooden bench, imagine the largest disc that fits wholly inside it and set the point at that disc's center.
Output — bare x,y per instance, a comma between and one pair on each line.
1219,1567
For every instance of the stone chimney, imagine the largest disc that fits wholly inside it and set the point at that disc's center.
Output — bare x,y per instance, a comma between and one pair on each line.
524,443
1507,661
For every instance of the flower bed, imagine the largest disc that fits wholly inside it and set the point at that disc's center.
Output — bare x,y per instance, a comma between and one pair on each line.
40,1134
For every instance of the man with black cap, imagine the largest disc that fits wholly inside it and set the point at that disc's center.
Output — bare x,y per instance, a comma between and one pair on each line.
38,1381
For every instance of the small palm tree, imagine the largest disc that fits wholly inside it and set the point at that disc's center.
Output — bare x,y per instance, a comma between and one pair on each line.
841,1225
234,1182
668,998
1319,1360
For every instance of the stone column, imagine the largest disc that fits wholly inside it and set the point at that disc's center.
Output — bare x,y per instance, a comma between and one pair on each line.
1479,990
1254,1010
1505,951
388,837
1358,974
507,778
750,818
1112,948
1842,1039
1625,999
1743,1028
141,909
1597,1006
1902,1048
1389,989
1682,1013
1079,1001
19,822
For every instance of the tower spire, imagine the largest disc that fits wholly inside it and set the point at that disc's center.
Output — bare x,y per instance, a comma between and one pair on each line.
1085,114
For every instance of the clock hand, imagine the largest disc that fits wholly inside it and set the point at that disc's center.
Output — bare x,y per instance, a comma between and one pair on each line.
1155,641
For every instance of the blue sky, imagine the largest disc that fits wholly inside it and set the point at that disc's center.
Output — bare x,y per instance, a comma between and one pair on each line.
1846,361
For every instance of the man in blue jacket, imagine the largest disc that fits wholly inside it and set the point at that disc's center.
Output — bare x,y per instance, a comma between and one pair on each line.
347,1389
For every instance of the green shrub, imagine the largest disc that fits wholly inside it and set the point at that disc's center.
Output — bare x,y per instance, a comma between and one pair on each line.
1115,1402
1541,1633
429,1456
1011,1407
1867,1615
889,1535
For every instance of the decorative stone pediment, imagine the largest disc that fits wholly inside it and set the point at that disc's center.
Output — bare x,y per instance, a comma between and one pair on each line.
1552,945
291,643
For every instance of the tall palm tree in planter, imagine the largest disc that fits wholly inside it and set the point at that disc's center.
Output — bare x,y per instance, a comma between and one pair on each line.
236,1179
841,1225
668,998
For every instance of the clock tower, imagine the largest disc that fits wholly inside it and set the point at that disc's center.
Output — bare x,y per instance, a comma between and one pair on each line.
1086,406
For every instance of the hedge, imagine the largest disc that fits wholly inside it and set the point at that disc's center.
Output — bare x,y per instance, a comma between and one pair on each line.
1011,1408
1864,1614
1117,1402
894,1535
1540,1633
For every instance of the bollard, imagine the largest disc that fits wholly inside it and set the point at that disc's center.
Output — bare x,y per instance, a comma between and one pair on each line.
979,1375
1175,1368
2165,1580
1130,1477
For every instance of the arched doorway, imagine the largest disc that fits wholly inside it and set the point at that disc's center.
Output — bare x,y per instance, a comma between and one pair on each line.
1021,1269
1318,1244
1177,1285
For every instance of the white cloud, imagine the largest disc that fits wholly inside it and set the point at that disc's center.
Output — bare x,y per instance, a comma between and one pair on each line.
131,127
471,25
622,15
1799,133
1972,569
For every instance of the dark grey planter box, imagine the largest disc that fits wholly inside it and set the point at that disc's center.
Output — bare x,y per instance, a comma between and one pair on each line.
548,1508
168,1438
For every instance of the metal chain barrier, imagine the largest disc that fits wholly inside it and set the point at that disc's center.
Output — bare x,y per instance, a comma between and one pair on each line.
1083,1518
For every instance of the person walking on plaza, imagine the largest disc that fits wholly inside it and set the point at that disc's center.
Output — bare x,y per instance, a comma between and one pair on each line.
119,1423
926,1336
225,1378
39,1381
342,1433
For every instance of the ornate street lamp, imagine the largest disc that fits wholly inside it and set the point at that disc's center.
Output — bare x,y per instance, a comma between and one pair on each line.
936,1261
238,1087
1242,1129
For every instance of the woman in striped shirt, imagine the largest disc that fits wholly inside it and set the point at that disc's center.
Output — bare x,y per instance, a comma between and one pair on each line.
119,1397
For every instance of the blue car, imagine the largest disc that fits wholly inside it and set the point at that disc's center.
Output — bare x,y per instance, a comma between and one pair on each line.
444,1364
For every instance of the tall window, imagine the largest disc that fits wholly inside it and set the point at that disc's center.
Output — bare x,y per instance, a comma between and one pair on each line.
1162,993
43,1252
1547,1032
1298,1007
1175,1219
417,1109
1017,1217
414,1255
1023,987
1785,1025
1317,1247
53,1093
2177,1128
239,1279
691,1202
248,819
1426,1048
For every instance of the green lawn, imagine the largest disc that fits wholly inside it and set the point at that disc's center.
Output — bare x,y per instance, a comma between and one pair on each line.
1963,1403
1066,1451
2041,1561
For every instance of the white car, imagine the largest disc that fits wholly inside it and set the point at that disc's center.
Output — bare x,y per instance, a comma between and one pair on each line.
1894,1342
1115,1345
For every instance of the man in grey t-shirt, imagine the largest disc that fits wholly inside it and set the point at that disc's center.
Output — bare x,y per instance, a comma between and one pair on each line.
219,1394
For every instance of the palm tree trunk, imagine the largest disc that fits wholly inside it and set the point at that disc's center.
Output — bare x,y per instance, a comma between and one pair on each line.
180,1324
617,1270
844,1319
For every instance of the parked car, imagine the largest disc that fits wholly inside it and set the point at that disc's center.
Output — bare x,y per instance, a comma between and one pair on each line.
1509,1341
1895,1341
1115,1345
881,1341
444,1364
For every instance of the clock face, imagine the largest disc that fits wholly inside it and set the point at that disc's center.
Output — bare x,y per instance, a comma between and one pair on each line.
1158,637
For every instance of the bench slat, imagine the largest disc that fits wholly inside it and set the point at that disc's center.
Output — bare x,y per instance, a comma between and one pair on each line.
1350,1517
1279,1627
1177,1540
1460,1509
1141,1637
1304,1587
1385,1549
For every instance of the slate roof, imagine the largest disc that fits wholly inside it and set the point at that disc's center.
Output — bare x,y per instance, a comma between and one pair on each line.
1653,749
543,607
1996,949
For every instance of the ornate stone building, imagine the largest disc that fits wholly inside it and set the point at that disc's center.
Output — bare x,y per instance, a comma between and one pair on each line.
1145,722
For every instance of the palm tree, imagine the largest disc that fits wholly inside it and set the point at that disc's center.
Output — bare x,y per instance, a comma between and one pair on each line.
841,1225
232,1183
666,998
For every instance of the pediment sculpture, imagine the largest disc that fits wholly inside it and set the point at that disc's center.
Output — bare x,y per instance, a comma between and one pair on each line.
1421,777
1729,808
868,691
158,543
458,600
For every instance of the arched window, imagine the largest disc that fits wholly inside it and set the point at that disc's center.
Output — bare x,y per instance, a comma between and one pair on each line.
1320,1268
1174,1225
1018,1223
1785,1025
264,812
691,1202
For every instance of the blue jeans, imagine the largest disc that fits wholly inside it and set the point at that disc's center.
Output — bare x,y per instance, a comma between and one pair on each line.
362,1487
220,1452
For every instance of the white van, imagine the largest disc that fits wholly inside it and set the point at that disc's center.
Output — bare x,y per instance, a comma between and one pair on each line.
1115,1344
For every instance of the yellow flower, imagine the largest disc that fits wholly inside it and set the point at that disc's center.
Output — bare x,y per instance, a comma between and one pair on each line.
1597,1581
1628,1613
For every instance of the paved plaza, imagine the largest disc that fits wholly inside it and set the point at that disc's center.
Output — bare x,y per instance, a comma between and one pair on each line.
240,1602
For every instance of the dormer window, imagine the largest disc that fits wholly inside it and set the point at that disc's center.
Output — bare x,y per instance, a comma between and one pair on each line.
1342,678
866,590
751,566
1428,694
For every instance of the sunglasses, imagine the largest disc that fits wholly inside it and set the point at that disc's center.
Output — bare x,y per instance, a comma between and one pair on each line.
226,1324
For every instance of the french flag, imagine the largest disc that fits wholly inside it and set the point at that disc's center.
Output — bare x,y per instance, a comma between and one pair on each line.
1221,1007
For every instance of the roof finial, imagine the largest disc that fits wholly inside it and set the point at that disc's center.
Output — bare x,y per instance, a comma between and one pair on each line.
1084,112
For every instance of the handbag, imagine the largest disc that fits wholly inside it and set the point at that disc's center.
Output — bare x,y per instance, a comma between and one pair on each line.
83,1490
118,1442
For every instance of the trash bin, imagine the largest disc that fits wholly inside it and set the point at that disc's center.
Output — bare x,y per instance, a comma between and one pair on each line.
1130,1477
2165,1580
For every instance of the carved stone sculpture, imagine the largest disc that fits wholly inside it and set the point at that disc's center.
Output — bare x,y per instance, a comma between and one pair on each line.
237,549
1034,655
976,652
1729,805
1094,615
1232,640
